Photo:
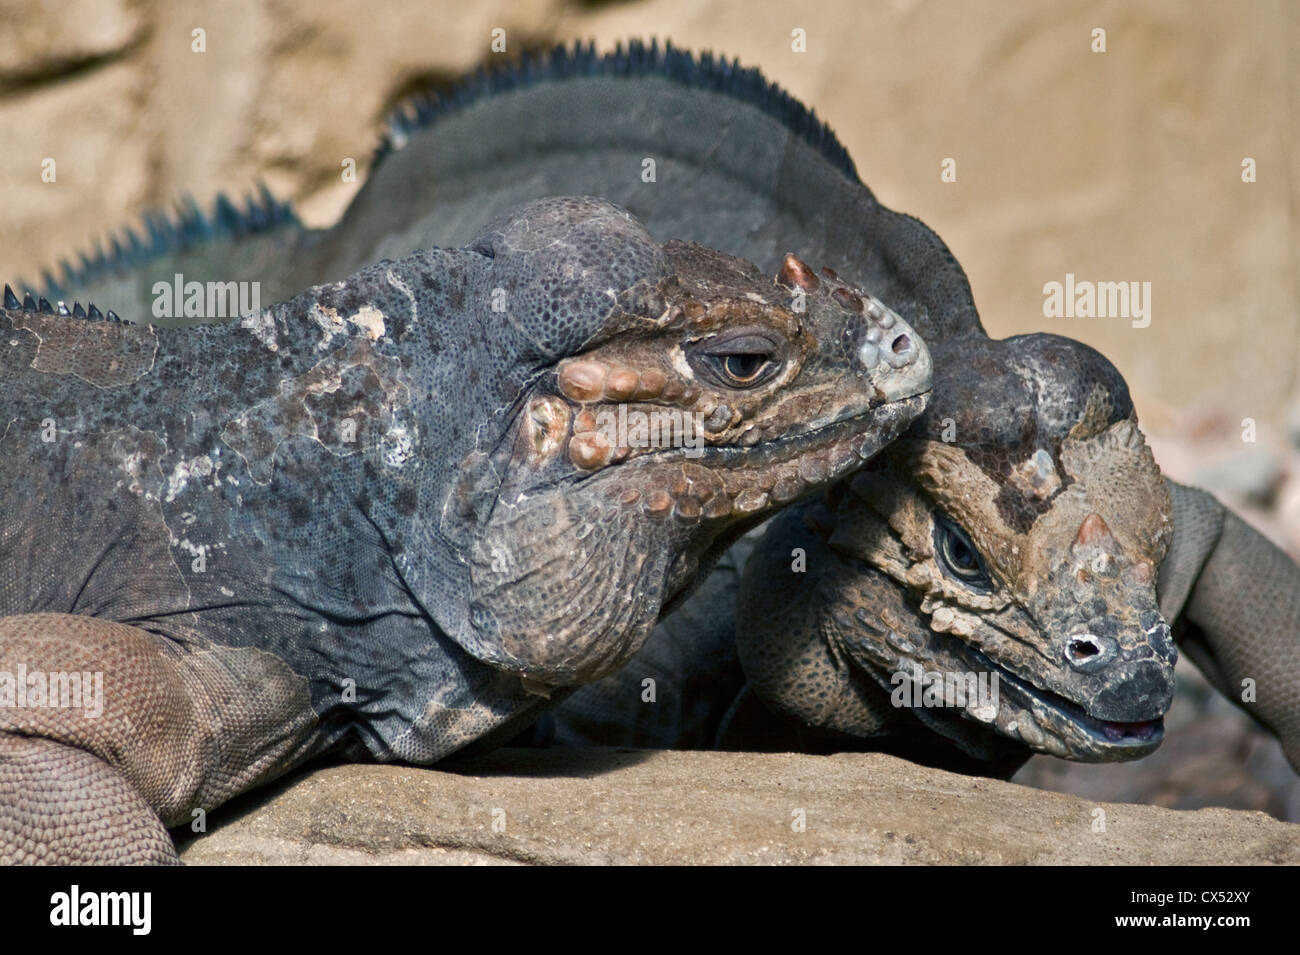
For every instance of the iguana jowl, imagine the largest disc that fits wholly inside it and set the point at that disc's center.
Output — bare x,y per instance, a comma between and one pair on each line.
385,513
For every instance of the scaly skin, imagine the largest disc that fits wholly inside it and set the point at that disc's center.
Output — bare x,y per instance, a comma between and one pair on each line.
384,515
1232,597
1026,546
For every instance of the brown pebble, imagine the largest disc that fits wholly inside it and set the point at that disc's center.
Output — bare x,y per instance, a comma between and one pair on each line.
687,509
787,489
813,469
717,506
657,503
795,272
621,384
850,300
651,384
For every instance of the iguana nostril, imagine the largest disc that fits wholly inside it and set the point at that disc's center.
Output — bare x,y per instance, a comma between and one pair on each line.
1089,651
900,351
1083,647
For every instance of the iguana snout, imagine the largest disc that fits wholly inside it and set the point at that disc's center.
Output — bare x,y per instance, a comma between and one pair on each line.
1040,549
706,395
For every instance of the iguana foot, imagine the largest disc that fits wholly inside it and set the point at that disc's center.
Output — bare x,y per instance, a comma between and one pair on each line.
109,733
60,805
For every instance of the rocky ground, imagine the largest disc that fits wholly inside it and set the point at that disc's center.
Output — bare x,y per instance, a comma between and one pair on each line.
631,806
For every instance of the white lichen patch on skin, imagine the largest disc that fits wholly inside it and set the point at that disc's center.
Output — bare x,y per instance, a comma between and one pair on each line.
395,280
327,320
353,385
399,447
194,550
262,325
680,365
1036,476
370,320
198,467
133,466
136,454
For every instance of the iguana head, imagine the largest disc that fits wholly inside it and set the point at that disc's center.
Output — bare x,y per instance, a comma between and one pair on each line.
675,395
1014,530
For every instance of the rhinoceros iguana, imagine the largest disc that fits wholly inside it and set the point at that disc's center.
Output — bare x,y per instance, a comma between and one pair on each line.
394,514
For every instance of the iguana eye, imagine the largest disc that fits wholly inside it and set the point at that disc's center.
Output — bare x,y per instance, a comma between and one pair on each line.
738,360
958,555
744,368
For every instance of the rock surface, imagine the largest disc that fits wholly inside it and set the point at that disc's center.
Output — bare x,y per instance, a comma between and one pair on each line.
632,806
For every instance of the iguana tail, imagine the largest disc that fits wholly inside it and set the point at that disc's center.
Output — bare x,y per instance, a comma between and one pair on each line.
1239,598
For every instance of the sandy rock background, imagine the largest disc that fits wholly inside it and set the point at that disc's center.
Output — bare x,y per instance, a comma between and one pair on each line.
1117,166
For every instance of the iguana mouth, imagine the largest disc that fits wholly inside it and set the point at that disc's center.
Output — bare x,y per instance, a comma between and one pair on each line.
1138,736
730,481
1040,718
869,429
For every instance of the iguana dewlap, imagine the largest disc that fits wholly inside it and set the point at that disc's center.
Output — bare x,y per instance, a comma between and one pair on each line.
394,512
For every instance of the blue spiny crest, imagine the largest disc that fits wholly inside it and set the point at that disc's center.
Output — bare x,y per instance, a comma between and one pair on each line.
635,59
169,233
29,304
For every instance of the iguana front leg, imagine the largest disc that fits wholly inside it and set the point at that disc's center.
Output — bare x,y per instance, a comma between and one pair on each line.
108,732
1239,600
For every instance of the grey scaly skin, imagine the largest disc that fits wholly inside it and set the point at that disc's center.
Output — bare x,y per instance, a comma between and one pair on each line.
385,515
741,166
